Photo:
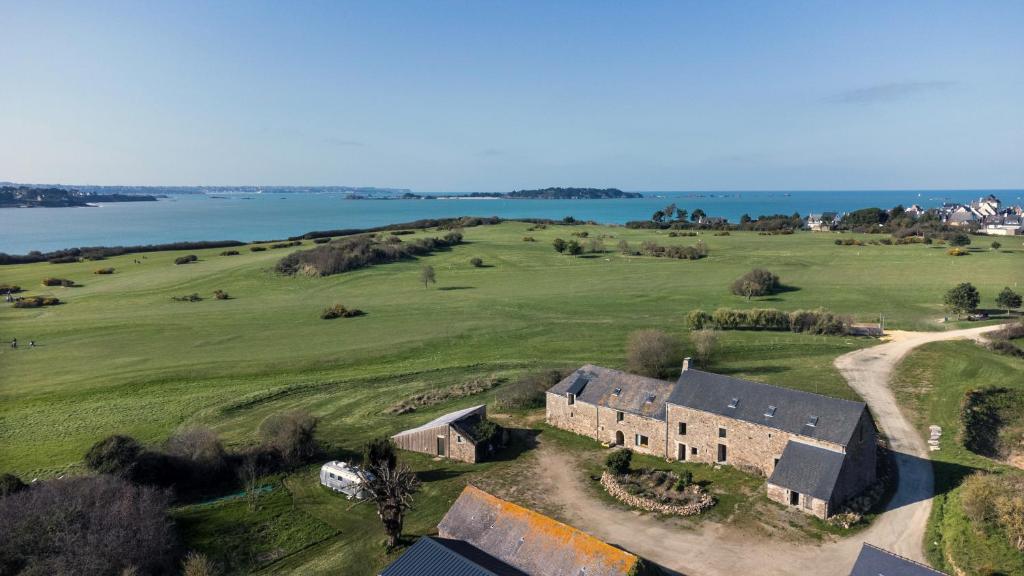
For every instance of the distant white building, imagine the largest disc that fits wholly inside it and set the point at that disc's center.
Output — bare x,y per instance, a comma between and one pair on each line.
1003,229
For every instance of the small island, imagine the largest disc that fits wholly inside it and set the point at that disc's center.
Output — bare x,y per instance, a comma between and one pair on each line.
28,197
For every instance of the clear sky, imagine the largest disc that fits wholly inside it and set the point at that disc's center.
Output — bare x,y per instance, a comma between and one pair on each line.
484,95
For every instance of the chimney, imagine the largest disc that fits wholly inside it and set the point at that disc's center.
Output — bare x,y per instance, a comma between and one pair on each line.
686,364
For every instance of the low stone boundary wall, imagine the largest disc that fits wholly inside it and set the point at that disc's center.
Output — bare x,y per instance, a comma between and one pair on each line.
619,493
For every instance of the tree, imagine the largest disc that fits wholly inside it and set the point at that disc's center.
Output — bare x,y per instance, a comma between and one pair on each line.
10,484
658,216
624,247
681,215
250,473
595,245
698,215
669,211
618,461
745,219
427,276
960,239
291,434
757,282
391,489
996,245
961,299
704,343
574,248
197,444
651,352
1008,299
559,245
476,262
115,455
380,452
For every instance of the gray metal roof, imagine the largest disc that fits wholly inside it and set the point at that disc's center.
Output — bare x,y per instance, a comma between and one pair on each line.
834,420
808,470
636,394
874,561
436,556
529,541
447,419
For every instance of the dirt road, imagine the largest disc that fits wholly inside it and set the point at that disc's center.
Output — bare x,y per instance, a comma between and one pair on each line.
717,550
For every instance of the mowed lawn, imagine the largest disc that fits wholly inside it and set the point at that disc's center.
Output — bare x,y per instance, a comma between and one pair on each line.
121,356
930,383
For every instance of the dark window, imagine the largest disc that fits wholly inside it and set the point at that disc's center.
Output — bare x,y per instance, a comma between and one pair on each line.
619,416
682,428
722,454
721,432
681,452
693,451
571,398
794,498
641,440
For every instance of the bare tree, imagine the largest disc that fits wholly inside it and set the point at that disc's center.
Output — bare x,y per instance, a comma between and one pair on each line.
704,344
428,276
250,472
291,434
198,444
391,489
651,352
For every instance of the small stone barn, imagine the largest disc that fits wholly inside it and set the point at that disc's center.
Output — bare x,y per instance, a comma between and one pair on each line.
455,435
531,542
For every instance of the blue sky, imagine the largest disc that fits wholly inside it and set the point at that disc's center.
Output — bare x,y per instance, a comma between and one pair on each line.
502,95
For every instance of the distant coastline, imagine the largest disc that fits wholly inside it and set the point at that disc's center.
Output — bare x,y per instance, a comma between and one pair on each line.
25,197
535,194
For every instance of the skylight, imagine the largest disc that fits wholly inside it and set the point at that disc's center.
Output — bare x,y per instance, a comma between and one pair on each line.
617,391
770,412
734,402
650,398
812,421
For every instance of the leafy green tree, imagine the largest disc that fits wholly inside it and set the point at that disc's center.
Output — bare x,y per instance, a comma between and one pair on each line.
697,215
960,239
380,452
559,245
962,298
996,245
1008,299
574,248
658,216
618,461
681,215
428,276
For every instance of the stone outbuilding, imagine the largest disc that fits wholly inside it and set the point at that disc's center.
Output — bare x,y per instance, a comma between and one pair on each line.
817,452
457,435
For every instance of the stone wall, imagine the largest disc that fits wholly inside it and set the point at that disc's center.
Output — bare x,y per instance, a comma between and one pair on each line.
578,417
465,451
601,423
819,508
620,494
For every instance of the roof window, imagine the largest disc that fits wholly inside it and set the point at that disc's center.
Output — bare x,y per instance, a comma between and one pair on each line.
734,402
770,412
812,421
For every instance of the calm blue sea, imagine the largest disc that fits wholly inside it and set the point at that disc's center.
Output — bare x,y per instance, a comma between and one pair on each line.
272,216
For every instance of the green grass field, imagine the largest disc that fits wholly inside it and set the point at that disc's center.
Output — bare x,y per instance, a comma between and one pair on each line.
931,383
119,356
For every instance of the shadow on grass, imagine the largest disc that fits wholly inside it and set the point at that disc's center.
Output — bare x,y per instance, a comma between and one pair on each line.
519,441
451,288
755,370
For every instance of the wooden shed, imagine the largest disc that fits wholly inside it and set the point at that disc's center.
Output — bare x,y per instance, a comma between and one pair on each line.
453,435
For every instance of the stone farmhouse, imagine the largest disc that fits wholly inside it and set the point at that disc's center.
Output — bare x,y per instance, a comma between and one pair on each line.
483,535
454,435
817,452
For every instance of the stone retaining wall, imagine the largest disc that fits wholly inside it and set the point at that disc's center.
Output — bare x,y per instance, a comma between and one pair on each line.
612,486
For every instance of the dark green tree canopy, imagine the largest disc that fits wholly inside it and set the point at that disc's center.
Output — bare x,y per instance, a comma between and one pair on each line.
961,299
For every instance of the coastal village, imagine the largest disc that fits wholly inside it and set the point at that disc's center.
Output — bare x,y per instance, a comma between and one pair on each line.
985,215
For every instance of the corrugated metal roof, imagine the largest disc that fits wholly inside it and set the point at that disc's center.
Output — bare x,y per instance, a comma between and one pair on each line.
528,541
446,419
439,557
834,420
636,394
874,561
808,469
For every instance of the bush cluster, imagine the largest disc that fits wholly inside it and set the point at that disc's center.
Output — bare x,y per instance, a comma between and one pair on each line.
995,504
339,311
35,301
186,259
277,245
221,295
58,282
358,252
983,412
652,248
230,253
101,252
529,239
321,240
257,248
757,282
9,288
818,321
476,262
64,260
957,252
193,297
677,233
651,352
618,462
103,271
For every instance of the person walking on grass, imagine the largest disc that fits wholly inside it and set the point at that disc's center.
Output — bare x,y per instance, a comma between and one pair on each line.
14,343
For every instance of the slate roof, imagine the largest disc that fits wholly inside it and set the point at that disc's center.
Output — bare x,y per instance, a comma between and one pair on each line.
808,470
528,541
836,419
874,561
597,385
449,418
429,556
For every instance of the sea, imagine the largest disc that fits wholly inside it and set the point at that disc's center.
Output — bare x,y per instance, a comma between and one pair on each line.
249,216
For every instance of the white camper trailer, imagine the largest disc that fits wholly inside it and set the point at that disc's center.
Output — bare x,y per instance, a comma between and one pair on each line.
344,478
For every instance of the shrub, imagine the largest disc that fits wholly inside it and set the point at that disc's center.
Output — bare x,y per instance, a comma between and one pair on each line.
339,311
722,233
279,245
186,259
757,282
88,526
103,271
326,240
476,262
230,253
684,481
574,248
10,484
58,282
291,435
197,444
651,352
63,260
595,245
221,295
957,252
380,452
359,252
193,297
115,455
698,319
618,461
996,245
258,248
962,298
959,239
35,301
529,239
559,245
704,343
9,288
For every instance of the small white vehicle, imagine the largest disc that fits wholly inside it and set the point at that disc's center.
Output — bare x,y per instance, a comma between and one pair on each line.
342,477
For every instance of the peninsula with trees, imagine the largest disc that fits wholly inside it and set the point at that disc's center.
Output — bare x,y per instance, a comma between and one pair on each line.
25,197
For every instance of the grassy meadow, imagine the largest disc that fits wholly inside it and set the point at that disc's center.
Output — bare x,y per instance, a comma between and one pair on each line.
120,356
